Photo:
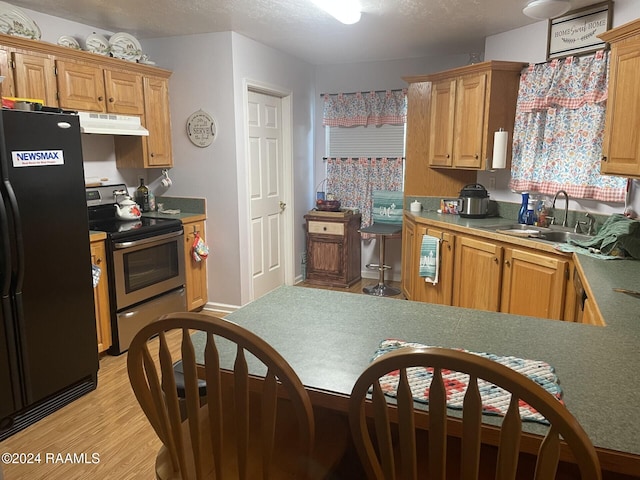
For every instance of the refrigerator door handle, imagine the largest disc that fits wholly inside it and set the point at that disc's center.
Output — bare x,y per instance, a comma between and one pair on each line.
17,286
17,230
5,275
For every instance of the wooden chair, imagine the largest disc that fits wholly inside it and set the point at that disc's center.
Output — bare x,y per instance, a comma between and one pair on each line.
380,462
247,427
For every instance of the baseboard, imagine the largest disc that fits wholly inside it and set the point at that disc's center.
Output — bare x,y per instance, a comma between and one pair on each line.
220,307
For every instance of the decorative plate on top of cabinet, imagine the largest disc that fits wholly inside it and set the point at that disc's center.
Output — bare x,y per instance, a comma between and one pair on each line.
125,46
69,42
13,21
96,43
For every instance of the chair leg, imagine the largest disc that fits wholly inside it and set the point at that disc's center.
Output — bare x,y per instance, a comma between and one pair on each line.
381,289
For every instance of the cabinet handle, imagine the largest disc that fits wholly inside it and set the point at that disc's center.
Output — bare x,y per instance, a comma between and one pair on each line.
98,261
152,155
111,100
477,156
324,228
448,246
495,260
507,263
447,156
604,158
100,98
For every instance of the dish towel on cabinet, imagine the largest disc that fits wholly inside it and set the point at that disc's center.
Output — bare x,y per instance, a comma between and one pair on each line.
430,259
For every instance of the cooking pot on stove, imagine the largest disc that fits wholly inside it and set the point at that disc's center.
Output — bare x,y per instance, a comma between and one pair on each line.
473,201
127,209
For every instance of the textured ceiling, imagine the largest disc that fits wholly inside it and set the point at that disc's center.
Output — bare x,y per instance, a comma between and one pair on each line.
389,29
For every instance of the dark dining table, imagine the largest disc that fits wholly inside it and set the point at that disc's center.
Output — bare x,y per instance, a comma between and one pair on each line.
329,338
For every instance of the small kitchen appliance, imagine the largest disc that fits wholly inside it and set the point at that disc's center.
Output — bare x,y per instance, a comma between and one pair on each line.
473,201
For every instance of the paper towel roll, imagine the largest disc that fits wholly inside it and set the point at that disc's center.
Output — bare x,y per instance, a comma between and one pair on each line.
500,140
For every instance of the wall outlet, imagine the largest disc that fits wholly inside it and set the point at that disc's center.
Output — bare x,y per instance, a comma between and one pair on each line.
492,182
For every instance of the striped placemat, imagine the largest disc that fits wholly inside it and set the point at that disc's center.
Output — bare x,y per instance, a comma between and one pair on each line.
495,400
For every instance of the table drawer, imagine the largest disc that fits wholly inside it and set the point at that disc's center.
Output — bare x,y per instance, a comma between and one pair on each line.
327,228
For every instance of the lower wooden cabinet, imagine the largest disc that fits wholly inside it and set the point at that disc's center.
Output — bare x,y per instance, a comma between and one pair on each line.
195,272
477,274
483,274
410,254
333,249
442,292
101,296
533,284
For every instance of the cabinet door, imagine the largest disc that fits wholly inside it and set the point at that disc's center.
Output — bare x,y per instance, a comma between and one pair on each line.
195,272
325,255
443,96
442,292
621,145
477,274
101,297
158,122
80,86
533,284
124,92
6,87
409,258
470,122
34,77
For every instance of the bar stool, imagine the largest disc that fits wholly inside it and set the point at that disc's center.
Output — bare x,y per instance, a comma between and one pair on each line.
387,223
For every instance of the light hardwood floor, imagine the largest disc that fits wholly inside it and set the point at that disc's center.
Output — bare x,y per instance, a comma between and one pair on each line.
107,422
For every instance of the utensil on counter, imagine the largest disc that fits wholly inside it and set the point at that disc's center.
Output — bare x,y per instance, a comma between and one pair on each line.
633,293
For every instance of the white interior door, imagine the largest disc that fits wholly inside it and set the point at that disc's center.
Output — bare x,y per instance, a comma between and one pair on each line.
266,192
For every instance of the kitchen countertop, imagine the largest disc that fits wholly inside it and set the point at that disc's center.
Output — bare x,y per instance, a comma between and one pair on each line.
329,337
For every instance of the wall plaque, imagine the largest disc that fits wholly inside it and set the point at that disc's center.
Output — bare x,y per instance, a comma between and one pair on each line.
201,129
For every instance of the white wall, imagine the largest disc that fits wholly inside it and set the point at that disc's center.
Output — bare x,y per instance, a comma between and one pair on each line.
257,65
365,77
529,44
211,72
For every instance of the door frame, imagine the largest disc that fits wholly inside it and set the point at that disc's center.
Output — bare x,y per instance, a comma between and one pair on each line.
246,287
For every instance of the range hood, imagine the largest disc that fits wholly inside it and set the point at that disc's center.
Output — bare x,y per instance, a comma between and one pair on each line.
111,124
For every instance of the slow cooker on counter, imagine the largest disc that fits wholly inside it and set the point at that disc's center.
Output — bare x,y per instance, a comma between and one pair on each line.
473,201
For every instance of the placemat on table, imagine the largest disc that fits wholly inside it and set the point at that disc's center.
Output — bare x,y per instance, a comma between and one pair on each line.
495,400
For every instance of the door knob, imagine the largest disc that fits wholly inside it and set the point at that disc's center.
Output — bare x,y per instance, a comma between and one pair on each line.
282,206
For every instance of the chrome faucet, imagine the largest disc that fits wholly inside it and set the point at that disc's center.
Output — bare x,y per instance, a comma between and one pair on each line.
566,205
590,223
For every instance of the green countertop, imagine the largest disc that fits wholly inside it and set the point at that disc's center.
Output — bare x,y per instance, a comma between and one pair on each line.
329,337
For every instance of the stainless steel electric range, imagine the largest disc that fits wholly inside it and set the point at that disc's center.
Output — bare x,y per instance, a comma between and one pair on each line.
146,264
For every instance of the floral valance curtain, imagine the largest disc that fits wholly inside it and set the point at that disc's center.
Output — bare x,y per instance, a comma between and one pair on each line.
352,180
363,109
557,138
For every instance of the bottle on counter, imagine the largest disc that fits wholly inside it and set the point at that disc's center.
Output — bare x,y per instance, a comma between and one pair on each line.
522,214
142,196
530,216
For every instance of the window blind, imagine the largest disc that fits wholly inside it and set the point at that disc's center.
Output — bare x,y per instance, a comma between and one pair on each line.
370,141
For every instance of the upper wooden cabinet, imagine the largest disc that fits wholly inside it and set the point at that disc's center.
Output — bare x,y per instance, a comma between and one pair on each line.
468,104
154,151
34,77
87,87
84,81
621,144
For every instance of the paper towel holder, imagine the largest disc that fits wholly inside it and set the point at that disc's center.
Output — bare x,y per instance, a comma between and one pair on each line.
500,147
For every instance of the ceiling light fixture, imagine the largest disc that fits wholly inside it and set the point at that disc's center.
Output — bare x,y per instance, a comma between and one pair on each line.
346,11
546,9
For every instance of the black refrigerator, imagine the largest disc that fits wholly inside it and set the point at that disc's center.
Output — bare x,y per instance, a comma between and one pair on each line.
48,346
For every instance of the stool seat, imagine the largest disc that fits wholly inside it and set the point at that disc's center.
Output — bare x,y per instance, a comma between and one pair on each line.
382,229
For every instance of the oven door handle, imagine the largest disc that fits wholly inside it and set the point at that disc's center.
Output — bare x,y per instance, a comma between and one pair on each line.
144,241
